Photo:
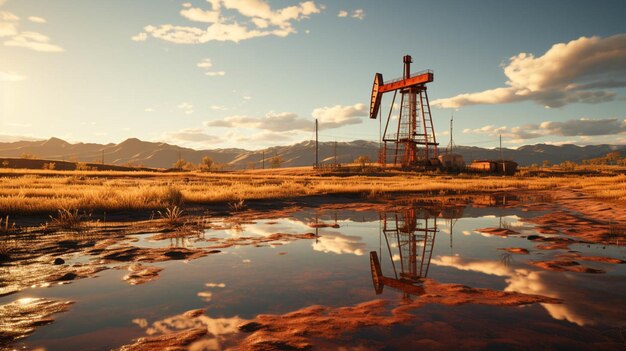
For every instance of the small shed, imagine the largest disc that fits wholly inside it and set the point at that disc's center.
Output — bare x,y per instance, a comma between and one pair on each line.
452,162
493,166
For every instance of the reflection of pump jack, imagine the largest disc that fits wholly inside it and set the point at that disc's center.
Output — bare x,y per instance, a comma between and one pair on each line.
415,245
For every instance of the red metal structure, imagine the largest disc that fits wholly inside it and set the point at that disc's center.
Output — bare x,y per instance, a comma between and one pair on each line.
415,142
412,233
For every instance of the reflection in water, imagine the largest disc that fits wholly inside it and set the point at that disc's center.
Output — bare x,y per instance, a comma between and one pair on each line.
412,233
338,243
215,331
579,307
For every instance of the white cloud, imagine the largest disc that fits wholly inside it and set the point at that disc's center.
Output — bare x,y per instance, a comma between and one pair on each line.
8,24
582,70
8,16
219,108
583,127
358,14
149,109
328,117
193,135
36,19
338,115
11,77
259,20
186,107
263,136
276,122
200,15
206,64
34,41
140,37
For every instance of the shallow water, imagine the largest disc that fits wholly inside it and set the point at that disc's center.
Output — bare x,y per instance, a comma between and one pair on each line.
334,270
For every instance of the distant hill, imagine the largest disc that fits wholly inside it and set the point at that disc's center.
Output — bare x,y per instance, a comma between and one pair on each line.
162,155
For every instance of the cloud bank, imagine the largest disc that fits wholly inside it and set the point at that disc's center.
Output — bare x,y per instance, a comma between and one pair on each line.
9,29
254,18
582,70
583,127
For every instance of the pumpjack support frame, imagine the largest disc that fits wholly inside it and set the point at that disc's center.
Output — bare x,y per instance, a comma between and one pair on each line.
414,143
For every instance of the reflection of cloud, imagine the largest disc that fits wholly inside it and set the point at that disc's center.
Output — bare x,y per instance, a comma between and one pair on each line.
580,306
339,243
284,225
215,285
141,322
206,296
218,328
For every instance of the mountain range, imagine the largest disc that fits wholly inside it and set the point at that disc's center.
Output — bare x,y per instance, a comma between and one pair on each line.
162,155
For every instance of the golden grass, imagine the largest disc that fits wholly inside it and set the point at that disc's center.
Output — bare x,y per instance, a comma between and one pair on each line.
47,191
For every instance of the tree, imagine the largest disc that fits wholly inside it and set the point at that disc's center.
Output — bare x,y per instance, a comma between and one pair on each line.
5,163
49,166
206,164
613,157
276,161
188,166
546,163
568,165
179,164
82,166
28,156
362,160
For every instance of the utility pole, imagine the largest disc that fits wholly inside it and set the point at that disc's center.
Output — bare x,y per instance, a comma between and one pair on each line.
335,152
102,156
451,138
180,167
317,165
263,162
502,157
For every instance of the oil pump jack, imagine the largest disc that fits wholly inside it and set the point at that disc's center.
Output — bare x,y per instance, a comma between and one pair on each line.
412,233
414,143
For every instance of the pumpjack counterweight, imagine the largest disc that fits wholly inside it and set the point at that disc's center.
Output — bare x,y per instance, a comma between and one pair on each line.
414,143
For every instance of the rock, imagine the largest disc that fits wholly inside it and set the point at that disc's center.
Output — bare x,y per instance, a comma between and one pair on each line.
67,277
250,327
58,261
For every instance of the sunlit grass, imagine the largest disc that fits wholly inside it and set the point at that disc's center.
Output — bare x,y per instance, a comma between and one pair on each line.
49,191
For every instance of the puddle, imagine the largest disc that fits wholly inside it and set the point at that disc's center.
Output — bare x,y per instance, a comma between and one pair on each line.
412,278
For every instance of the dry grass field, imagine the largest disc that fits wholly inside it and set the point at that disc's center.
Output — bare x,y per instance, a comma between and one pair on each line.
39,191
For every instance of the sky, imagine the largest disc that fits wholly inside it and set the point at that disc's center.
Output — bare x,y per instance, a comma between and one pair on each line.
250,74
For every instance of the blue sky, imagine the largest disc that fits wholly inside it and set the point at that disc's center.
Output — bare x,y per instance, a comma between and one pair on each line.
255,73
